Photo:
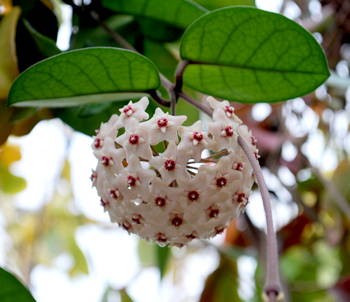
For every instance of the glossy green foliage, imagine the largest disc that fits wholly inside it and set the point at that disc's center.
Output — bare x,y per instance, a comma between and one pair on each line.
179,13
12,289
249,55
84,76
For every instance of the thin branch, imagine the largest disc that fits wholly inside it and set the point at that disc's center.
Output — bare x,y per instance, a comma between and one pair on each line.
272,283
195,103
154,94
179,74
114,35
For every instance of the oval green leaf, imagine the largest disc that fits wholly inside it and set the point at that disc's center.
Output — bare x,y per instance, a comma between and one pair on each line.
13,290
180,13
248,55
85,76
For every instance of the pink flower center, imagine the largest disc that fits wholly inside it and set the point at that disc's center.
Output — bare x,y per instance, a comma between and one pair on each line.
160,201
221,182
228,131
198,136
134,139
163,122
193,195
169,164
98,143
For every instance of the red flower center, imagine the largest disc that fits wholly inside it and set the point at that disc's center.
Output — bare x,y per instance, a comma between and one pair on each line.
176,221
137,218
114,193
198,136
106,161
161,237
131,181
221,182
98,143
228,131
237,166
134,139
163,122
128,110
160,201
169,164
193,195
229,110
213,212
240,197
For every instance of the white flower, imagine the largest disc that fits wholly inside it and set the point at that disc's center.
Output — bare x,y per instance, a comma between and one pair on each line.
135,111
170,164
135,141
193,140
222,110
175,196
163,127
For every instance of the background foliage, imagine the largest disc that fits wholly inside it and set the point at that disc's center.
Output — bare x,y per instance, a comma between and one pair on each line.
314,238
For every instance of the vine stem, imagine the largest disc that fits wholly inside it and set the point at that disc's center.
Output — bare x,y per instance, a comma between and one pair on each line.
272,283
272,289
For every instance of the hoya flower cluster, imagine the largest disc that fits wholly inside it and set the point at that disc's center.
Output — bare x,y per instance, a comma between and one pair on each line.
190,190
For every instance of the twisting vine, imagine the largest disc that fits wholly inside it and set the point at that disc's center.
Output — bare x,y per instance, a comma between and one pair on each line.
272,288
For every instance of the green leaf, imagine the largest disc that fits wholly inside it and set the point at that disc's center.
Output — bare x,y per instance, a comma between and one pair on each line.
85,76
222,284
12,289
46,46
162,257
248,55
214,4
180,13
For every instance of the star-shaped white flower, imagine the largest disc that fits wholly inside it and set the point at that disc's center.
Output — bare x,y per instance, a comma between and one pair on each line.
163,126
222,176
222,110
135,141
135,111
134,180
170,165
224,134
193,140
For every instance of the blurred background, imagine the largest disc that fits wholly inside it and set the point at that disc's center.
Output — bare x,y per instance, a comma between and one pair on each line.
53,232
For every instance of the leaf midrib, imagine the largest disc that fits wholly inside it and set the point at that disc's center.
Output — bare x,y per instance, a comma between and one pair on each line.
252,68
